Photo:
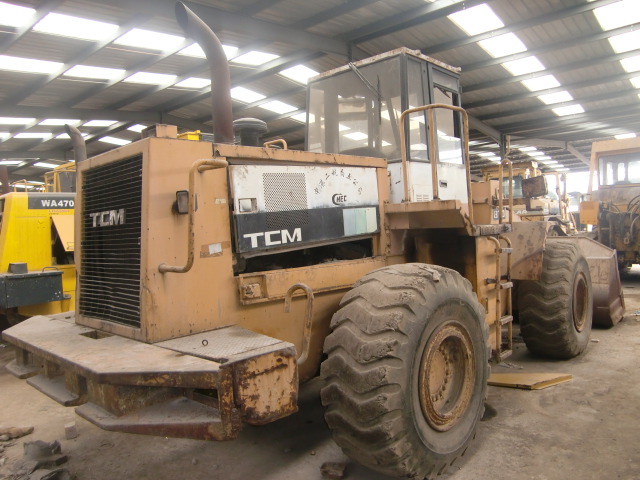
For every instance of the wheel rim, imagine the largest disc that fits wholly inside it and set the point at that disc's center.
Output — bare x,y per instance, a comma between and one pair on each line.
580,299
446,376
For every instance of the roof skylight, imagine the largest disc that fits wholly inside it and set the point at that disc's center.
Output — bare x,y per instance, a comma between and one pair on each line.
301,117
568,110
356,136
631,64
527,149
32,135
625,42
635,81
195,50
137,127
503,45
115,141
245,95
65,136
558,97
618,14
475,20
150,40
193,82
541,83
59,121
16,121
299,73
14,15
524,66
45,165
9,162
75,27
100,123
255,58
98,73
28,65
278,107
622,136
151,78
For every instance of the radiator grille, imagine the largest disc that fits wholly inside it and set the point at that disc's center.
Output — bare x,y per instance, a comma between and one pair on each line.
110,266
285,198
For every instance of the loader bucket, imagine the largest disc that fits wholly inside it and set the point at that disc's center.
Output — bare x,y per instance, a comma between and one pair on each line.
608,302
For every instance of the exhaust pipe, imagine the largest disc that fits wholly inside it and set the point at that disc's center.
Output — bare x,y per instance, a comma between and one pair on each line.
4,178
199,31
79,147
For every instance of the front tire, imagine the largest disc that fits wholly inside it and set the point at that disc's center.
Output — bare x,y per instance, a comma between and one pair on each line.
407,368
556,311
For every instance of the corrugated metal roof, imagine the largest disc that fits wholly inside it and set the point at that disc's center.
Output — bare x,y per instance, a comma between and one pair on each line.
563,34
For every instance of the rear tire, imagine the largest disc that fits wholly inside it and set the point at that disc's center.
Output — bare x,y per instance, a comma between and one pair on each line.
407,368
556,311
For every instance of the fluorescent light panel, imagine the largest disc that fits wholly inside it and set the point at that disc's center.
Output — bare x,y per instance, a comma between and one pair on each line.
618,14
10,162
475,20
14,15
255,58
635,81
28,65
503,45
299,73
45,165
97,73
65,136
245,95
75,27
149,78
137,127
149,40
622,136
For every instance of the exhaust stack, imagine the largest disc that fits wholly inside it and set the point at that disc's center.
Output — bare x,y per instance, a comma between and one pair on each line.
199,31
79,147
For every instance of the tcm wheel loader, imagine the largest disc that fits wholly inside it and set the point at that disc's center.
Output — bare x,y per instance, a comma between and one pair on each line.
614,208
36,248
215,278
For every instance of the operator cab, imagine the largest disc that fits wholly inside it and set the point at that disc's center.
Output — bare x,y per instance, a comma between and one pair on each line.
355,110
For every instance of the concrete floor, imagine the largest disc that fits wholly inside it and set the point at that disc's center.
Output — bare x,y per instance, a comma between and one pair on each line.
584,429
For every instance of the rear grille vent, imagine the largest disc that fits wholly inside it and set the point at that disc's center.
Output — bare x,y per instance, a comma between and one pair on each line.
111,229
285,198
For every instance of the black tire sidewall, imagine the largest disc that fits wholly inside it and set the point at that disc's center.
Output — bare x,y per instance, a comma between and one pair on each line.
434,316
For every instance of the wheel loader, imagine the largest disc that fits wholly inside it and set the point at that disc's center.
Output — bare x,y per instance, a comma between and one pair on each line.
532,198
36,248
214,277
614,208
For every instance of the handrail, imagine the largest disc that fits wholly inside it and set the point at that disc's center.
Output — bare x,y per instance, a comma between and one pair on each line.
198,166
434,167
505,161
308,317
277,140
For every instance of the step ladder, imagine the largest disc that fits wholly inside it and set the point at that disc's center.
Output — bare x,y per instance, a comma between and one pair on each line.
503,342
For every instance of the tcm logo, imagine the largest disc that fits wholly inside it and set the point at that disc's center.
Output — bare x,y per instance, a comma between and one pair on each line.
108,218
339,198
276,237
